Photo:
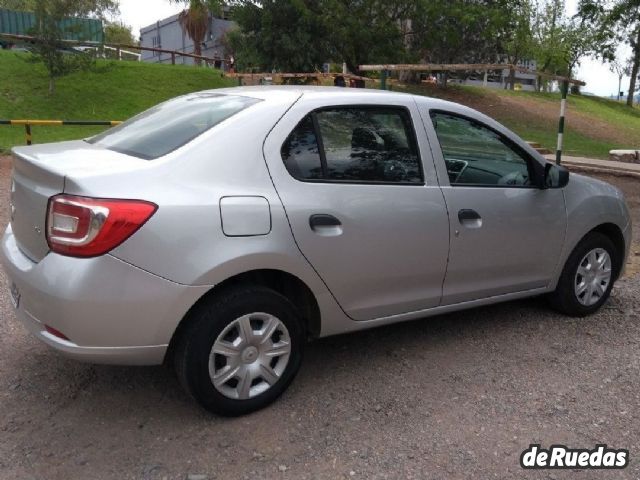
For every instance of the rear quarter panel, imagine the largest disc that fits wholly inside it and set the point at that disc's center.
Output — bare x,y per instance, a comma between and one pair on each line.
184,241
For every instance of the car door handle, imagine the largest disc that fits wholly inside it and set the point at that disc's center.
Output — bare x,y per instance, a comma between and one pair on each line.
325,225
323,220
470,218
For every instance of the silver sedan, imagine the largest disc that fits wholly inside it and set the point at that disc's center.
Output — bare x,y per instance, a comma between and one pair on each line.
221,230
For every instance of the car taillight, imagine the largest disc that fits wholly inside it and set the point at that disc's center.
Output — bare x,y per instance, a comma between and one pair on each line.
88,227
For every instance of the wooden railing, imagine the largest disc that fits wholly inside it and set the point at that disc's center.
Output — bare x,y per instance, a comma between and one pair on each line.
118,48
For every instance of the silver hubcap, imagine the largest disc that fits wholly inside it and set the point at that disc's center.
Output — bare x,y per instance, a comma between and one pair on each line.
249,356
593,277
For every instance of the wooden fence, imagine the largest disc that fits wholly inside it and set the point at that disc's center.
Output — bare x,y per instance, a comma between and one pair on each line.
118,48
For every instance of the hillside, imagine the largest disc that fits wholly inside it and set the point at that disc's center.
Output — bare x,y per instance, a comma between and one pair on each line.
118,90
594,125
112,91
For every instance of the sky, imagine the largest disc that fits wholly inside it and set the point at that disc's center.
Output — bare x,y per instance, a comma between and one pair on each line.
600,80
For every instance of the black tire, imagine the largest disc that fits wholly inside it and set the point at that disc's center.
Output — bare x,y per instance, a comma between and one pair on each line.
208,320
564,298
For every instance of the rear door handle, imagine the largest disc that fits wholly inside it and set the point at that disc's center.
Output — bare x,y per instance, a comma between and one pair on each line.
323,220
470,218
325,225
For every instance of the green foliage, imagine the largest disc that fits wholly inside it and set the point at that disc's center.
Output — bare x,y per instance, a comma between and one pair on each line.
278,34
216,7
373,31
472,31
110,91
560,42
118,33
457,31
79,8
549,34
300,35
615,21
50,31
18,5
517,43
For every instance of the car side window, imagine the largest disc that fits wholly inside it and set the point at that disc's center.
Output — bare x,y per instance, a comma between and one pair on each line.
300,152
476,155
354,145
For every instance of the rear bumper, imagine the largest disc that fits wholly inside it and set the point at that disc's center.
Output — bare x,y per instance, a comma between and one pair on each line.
147,355
111,311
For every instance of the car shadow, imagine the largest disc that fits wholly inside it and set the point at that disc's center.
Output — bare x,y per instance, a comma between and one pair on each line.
56,382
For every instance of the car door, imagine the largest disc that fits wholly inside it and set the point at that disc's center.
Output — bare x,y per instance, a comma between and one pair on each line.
506,233
365,211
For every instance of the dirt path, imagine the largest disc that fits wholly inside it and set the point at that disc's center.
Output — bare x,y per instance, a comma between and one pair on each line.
458,396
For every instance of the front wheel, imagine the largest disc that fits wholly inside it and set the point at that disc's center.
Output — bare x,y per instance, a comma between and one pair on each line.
587,278
240,350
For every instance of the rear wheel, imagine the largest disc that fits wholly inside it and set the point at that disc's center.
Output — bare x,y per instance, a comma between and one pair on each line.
587,277
240,350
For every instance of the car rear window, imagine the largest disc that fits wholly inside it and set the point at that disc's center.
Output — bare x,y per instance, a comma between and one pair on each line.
172,124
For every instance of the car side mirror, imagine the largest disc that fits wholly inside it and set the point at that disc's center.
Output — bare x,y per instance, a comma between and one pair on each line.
555,176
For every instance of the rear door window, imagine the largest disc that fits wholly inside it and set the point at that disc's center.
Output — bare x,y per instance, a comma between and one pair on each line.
301,154
170,125
354,145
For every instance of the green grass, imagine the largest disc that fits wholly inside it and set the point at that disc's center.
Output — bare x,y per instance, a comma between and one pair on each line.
119,90
111,91
621,119
621,130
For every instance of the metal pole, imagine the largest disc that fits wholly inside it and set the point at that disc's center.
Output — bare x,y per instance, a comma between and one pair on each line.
27,129
383,80
563,109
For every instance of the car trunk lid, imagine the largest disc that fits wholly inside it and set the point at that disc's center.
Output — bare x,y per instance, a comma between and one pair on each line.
40,172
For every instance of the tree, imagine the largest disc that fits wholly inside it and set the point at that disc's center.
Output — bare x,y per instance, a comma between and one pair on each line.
300,35
118,33
470,31
284,35
50,31
195,21
621,69
19,5
452,31
75,8
359,32
580,40
549,29
517,37
615,21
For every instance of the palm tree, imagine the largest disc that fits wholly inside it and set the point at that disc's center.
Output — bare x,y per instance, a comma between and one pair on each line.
194,21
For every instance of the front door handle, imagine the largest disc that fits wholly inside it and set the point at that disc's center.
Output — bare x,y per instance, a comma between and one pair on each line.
470,218
325,225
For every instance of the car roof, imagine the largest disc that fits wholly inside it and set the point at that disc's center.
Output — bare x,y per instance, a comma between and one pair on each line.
293,92
264,91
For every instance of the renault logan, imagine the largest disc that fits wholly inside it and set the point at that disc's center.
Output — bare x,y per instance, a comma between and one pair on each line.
221,230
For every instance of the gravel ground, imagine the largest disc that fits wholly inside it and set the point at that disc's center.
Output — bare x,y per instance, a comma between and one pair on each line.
458,396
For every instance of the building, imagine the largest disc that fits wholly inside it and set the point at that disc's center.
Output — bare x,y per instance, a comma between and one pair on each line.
500,79
168,34
22,23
